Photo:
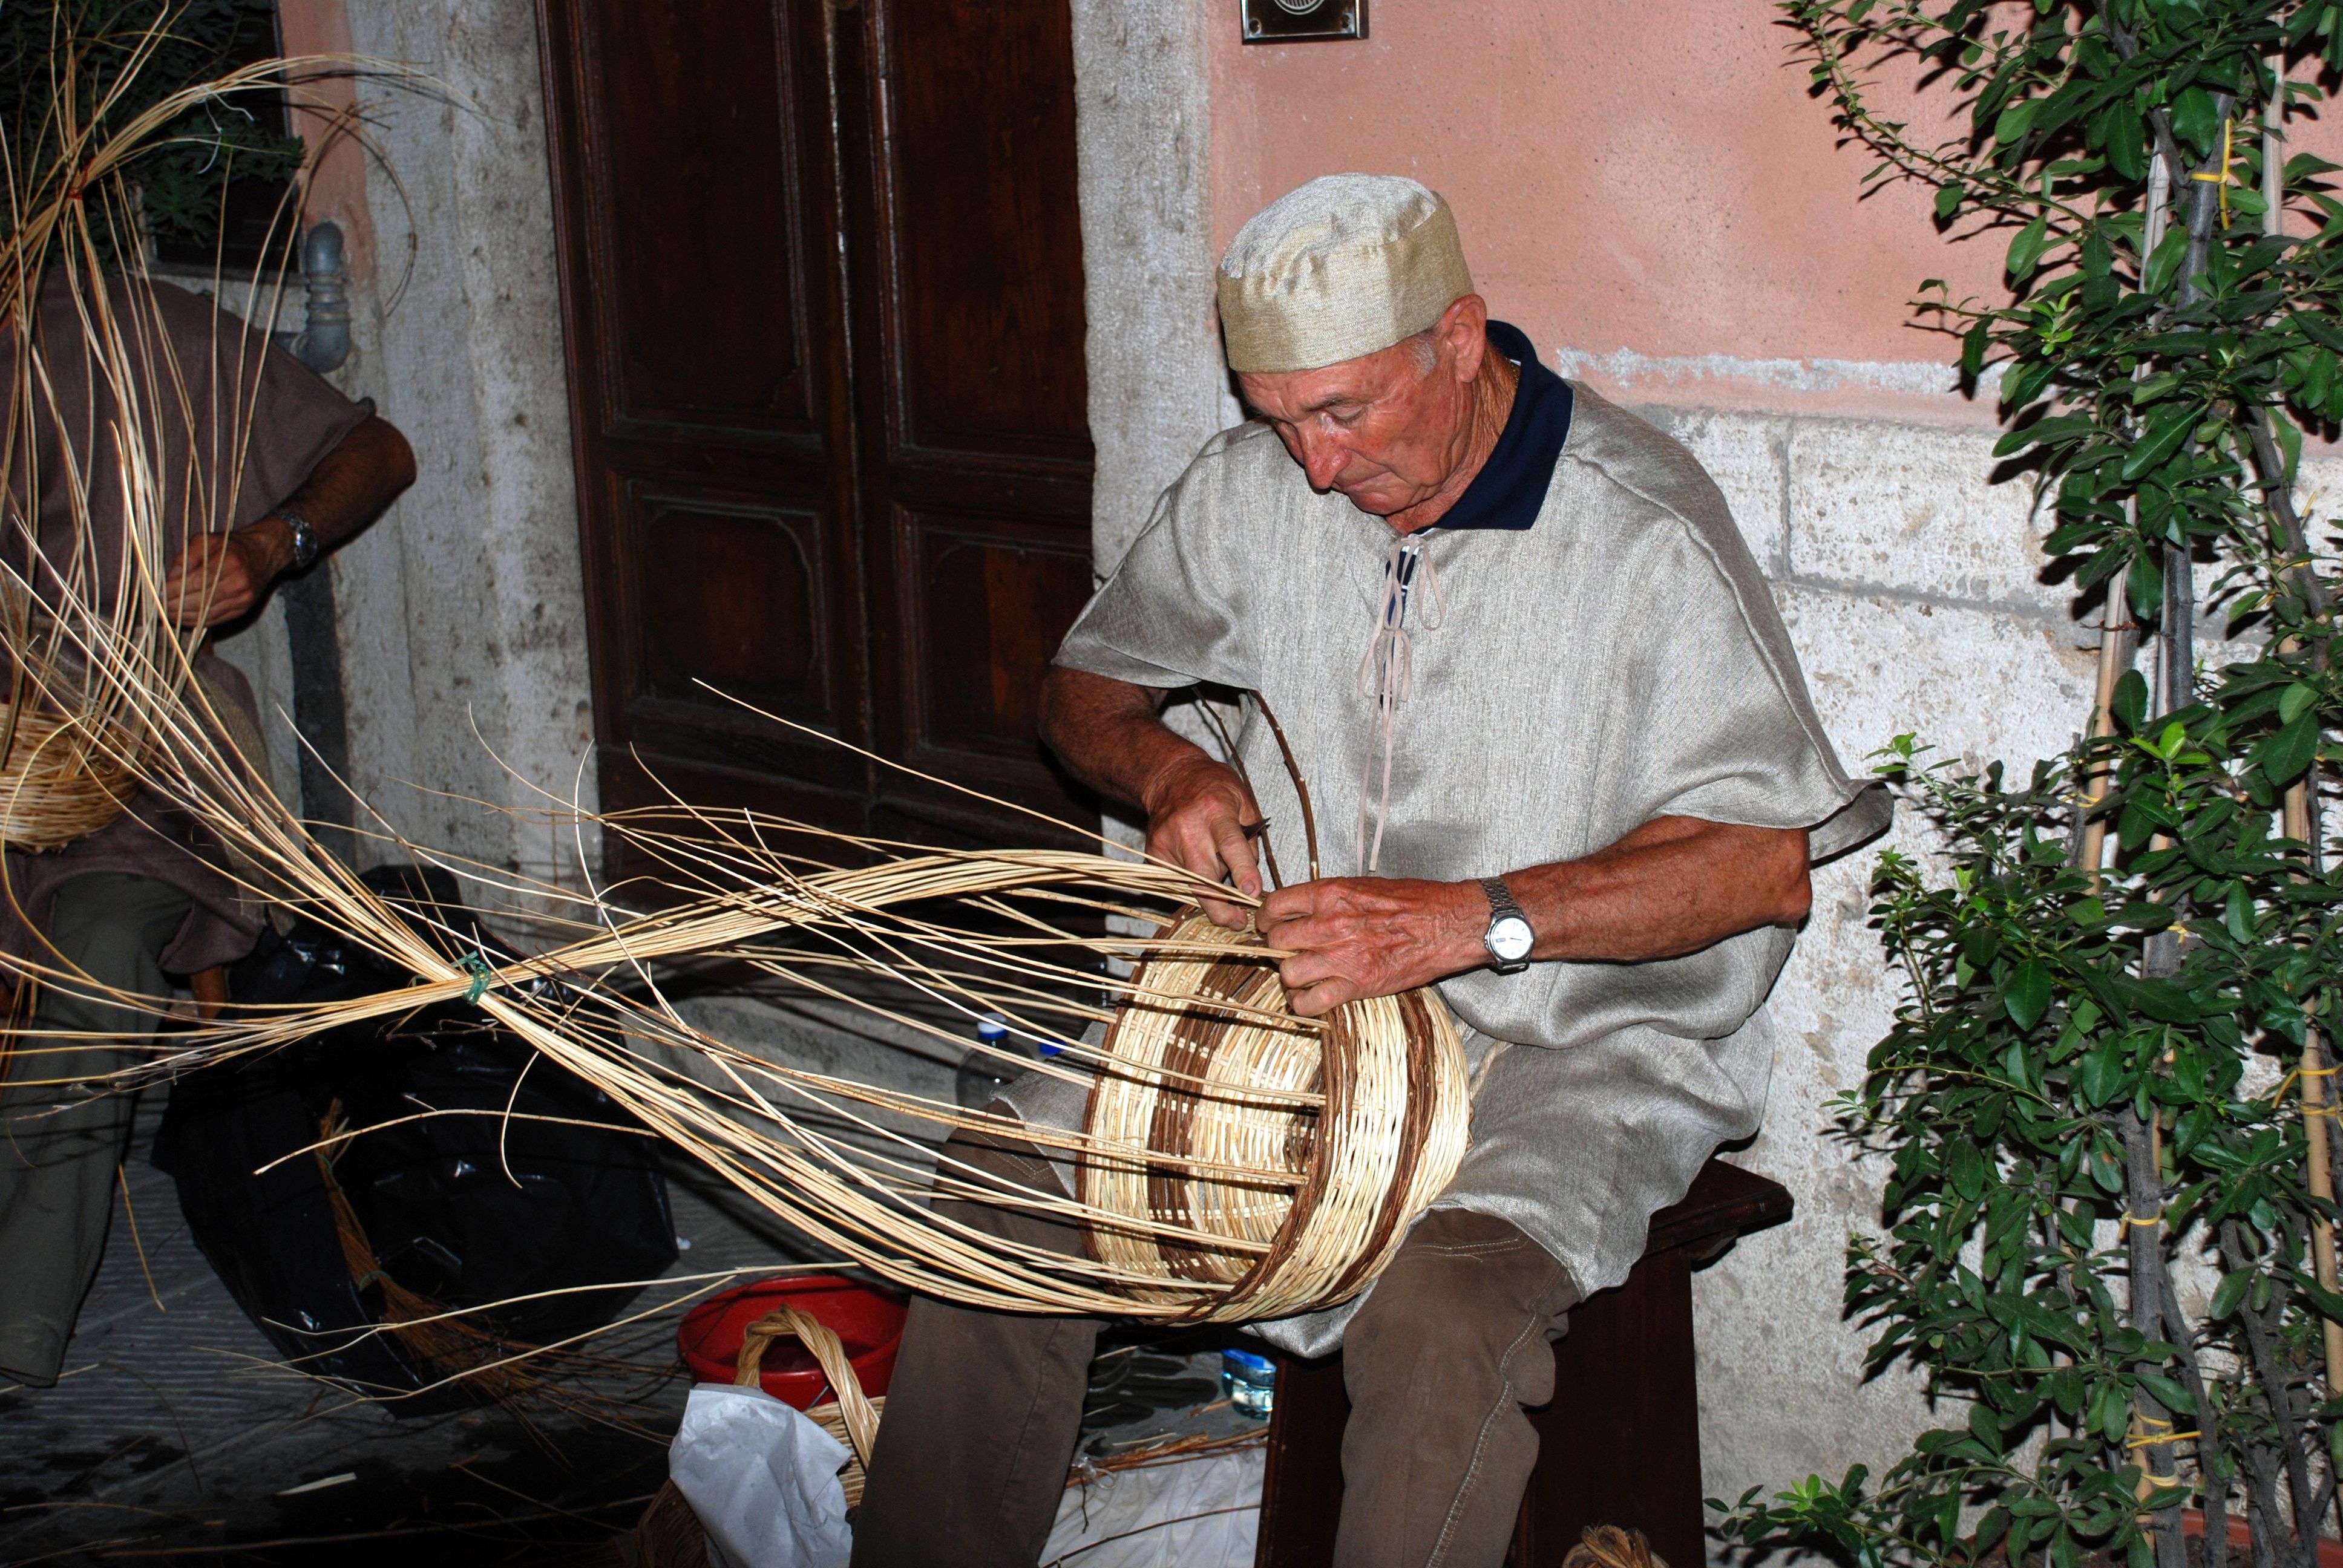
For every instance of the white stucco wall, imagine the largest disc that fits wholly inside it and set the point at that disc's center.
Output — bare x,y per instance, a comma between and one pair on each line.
1909,587
461,612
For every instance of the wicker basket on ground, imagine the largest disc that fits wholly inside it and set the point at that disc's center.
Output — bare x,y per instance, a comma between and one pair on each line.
669,1535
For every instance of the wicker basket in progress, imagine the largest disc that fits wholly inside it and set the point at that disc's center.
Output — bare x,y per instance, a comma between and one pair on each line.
56,786
1185,1085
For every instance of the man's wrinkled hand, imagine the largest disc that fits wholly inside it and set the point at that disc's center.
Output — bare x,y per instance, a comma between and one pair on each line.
1355,937
217,578
1197,814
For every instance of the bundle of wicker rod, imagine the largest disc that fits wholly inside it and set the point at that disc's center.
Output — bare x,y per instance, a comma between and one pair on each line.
1236,1161
58,782
1184,1083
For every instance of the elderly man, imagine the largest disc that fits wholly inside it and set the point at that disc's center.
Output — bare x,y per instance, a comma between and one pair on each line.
265,466
1546,706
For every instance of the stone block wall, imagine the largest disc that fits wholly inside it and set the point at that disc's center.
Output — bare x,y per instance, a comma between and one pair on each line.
1912,588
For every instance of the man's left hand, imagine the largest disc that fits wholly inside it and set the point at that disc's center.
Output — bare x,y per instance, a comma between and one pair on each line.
219,577
1355,937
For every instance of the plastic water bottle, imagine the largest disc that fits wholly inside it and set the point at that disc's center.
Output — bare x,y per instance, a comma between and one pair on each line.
1250,1382
982,1073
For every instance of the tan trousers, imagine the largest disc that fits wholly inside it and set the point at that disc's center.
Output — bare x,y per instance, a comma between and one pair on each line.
60,1144
984,1408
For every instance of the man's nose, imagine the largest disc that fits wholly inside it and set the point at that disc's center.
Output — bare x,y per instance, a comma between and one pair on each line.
1323,457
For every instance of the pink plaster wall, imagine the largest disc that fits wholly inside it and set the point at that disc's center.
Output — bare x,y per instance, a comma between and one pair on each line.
1639,175
321,107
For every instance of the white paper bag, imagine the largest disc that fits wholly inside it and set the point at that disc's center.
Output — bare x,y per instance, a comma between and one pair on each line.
763,1480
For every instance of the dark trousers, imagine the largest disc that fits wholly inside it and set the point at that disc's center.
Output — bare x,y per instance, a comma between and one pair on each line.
62,1140
984,1408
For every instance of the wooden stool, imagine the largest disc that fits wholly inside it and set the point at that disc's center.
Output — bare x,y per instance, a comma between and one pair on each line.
1619,1443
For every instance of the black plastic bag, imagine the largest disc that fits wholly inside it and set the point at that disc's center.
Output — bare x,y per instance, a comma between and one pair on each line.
467,1210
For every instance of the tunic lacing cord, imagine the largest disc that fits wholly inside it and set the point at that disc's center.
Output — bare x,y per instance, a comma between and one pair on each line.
1387,673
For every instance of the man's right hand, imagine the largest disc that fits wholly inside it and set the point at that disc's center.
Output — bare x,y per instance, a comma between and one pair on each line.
1197,813
1108,735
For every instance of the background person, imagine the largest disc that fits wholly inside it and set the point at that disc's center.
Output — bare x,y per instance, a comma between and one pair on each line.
265,467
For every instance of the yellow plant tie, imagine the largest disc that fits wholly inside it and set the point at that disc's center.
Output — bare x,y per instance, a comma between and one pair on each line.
2221,179
2152,1439
2287,1082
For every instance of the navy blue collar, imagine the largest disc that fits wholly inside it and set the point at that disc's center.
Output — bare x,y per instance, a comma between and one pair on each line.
1511,488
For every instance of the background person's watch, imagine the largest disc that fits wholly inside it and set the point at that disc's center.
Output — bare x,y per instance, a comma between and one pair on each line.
1509,938
304,539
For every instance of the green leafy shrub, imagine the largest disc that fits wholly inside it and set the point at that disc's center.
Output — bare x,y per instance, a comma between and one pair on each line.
106,61
2094,1082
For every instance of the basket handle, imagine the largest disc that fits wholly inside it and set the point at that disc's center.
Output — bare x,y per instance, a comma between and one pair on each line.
854,1407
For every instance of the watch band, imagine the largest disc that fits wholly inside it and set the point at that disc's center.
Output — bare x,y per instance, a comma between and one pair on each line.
1501,901
305,538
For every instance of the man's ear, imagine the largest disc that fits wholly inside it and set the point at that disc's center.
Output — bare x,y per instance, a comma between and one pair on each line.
1464,331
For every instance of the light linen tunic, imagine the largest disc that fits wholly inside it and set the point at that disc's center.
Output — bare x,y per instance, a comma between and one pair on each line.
1621,659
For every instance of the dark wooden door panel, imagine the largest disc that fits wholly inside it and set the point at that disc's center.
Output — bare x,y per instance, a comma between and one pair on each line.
696,215
974,290
821,278
986,602
729,593
986,284
694,207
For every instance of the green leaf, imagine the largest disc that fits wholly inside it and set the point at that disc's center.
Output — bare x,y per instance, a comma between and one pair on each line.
2295,701
2145,587
1948,200
2289,440
2170,1392
2238,915
2027,994
2027,248
2130,704
2327,1302
2163,261
2099,1075
2196,119
2163,438
2016,120
1967,1170
2230,1293
2161,999
2283,756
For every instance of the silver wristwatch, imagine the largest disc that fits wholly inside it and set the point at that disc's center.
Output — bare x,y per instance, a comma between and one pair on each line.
304,539
1509,938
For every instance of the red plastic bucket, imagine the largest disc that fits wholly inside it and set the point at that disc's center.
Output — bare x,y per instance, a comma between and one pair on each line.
868,1321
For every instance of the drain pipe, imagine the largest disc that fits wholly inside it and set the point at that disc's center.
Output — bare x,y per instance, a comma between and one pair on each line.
324,342
312,632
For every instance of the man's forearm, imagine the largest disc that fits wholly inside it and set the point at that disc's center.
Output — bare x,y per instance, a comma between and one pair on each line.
1199,811
1674,886
1109,735
350,487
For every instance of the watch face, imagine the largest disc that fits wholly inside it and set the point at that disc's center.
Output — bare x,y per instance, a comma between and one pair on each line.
1510,939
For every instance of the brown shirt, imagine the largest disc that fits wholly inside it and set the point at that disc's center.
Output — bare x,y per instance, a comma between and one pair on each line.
237,425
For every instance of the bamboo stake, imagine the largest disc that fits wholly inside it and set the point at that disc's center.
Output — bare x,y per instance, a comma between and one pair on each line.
2298,824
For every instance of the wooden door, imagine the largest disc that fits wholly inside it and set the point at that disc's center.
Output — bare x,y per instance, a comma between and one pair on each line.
821,278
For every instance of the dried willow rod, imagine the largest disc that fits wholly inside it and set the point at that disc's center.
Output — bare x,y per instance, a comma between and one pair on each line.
1236,1161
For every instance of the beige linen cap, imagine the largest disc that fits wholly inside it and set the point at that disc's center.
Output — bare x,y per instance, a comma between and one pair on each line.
1345,265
